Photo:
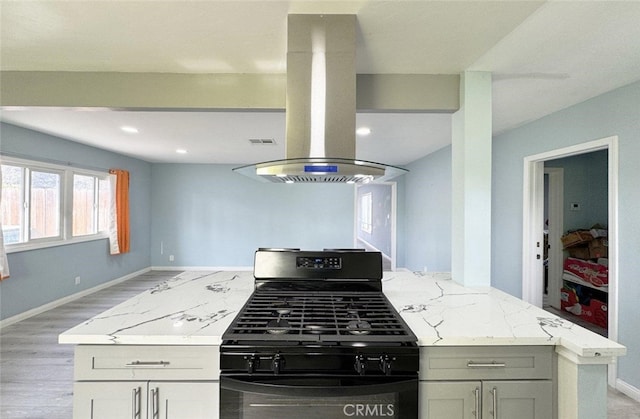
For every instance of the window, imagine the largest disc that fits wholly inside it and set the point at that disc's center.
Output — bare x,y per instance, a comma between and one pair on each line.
90,204
365,213
45,204
11,208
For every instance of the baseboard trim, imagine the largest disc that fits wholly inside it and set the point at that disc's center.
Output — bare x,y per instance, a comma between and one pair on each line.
202,268
41,309
628,389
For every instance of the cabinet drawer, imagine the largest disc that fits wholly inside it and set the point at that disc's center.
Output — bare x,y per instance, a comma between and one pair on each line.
486,362
137,362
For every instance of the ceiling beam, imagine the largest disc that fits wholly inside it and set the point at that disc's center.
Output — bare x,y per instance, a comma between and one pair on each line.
408,92
375,92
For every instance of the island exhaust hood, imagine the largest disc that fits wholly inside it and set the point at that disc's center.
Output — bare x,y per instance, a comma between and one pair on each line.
321,108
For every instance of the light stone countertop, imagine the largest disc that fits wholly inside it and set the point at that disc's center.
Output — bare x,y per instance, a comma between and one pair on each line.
442,312
195,308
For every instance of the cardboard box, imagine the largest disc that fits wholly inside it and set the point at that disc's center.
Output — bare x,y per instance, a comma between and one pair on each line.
593,273
595,312
599,248
568,298
576,238
579,252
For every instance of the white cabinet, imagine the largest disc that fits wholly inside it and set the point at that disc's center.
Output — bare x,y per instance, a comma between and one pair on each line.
146,382
146,400
487,383
450,400
107,400
185,400
494,399
517,399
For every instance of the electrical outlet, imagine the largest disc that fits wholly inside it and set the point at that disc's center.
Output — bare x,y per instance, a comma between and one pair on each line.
171,258
77,280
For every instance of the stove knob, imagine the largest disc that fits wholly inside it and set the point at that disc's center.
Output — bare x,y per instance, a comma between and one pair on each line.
385,364
277,364
252,363
360,364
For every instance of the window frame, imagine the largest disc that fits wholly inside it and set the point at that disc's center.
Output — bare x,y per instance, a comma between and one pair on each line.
65,201
366,212
28,199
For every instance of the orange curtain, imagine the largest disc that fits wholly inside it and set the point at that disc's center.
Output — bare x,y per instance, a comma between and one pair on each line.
122,209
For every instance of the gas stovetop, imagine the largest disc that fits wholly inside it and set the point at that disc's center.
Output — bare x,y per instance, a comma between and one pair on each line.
329,296
320,312
319,316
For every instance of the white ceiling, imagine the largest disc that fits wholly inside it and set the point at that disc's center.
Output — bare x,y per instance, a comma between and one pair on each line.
544,56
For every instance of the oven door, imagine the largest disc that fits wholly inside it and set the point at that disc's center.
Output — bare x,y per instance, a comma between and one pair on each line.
318,397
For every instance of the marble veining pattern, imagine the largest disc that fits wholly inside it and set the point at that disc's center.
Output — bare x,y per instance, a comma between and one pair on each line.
197,307
443,312
191,308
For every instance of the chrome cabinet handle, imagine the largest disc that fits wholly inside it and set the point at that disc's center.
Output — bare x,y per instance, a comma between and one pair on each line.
135,397
155,403
494,396
493,364
148,364
476,412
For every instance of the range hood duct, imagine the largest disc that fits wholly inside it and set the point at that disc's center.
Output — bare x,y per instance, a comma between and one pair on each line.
321,107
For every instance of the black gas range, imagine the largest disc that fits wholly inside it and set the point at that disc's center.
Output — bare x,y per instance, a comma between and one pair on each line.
318,338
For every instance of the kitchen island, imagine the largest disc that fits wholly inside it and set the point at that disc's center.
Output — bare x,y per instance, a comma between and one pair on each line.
166,341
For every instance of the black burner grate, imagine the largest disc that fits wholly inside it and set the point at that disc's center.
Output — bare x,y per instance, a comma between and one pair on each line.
319,316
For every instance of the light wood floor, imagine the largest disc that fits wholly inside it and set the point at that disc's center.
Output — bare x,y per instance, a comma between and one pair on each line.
36,373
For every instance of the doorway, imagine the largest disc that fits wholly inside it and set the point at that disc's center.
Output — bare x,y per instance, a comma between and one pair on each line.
375,221
533,221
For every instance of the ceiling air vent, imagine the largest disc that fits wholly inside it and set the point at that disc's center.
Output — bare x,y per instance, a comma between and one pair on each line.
262,141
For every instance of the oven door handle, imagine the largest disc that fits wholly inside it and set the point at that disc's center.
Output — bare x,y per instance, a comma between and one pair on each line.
283,389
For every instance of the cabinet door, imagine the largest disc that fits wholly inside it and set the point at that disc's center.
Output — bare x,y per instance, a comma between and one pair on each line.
517,399
184,400
110,400
450,400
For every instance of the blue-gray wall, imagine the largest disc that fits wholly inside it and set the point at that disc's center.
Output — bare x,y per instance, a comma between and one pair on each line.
207,215
586,183
45,275
427,212
614,113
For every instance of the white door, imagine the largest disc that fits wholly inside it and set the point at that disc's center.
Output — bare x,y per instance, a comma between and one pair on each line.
517,399
450,399
555,228
109,400
174,400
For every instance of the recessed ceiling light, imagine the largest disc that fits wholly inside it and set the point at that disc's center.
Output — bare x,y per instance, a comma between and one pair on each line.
129,129
181,151
363,131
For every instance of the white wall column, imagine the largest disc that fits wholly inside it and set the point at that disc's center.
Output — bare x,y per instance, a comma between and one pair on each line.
471,182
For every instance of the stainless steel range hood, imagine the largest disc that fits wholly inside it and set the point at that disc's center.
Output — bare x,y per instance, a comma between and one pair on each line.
321,107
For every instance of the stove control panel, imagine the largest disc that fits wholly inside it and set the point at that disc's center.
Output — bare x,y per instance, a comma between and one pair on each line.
319,262
384,362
